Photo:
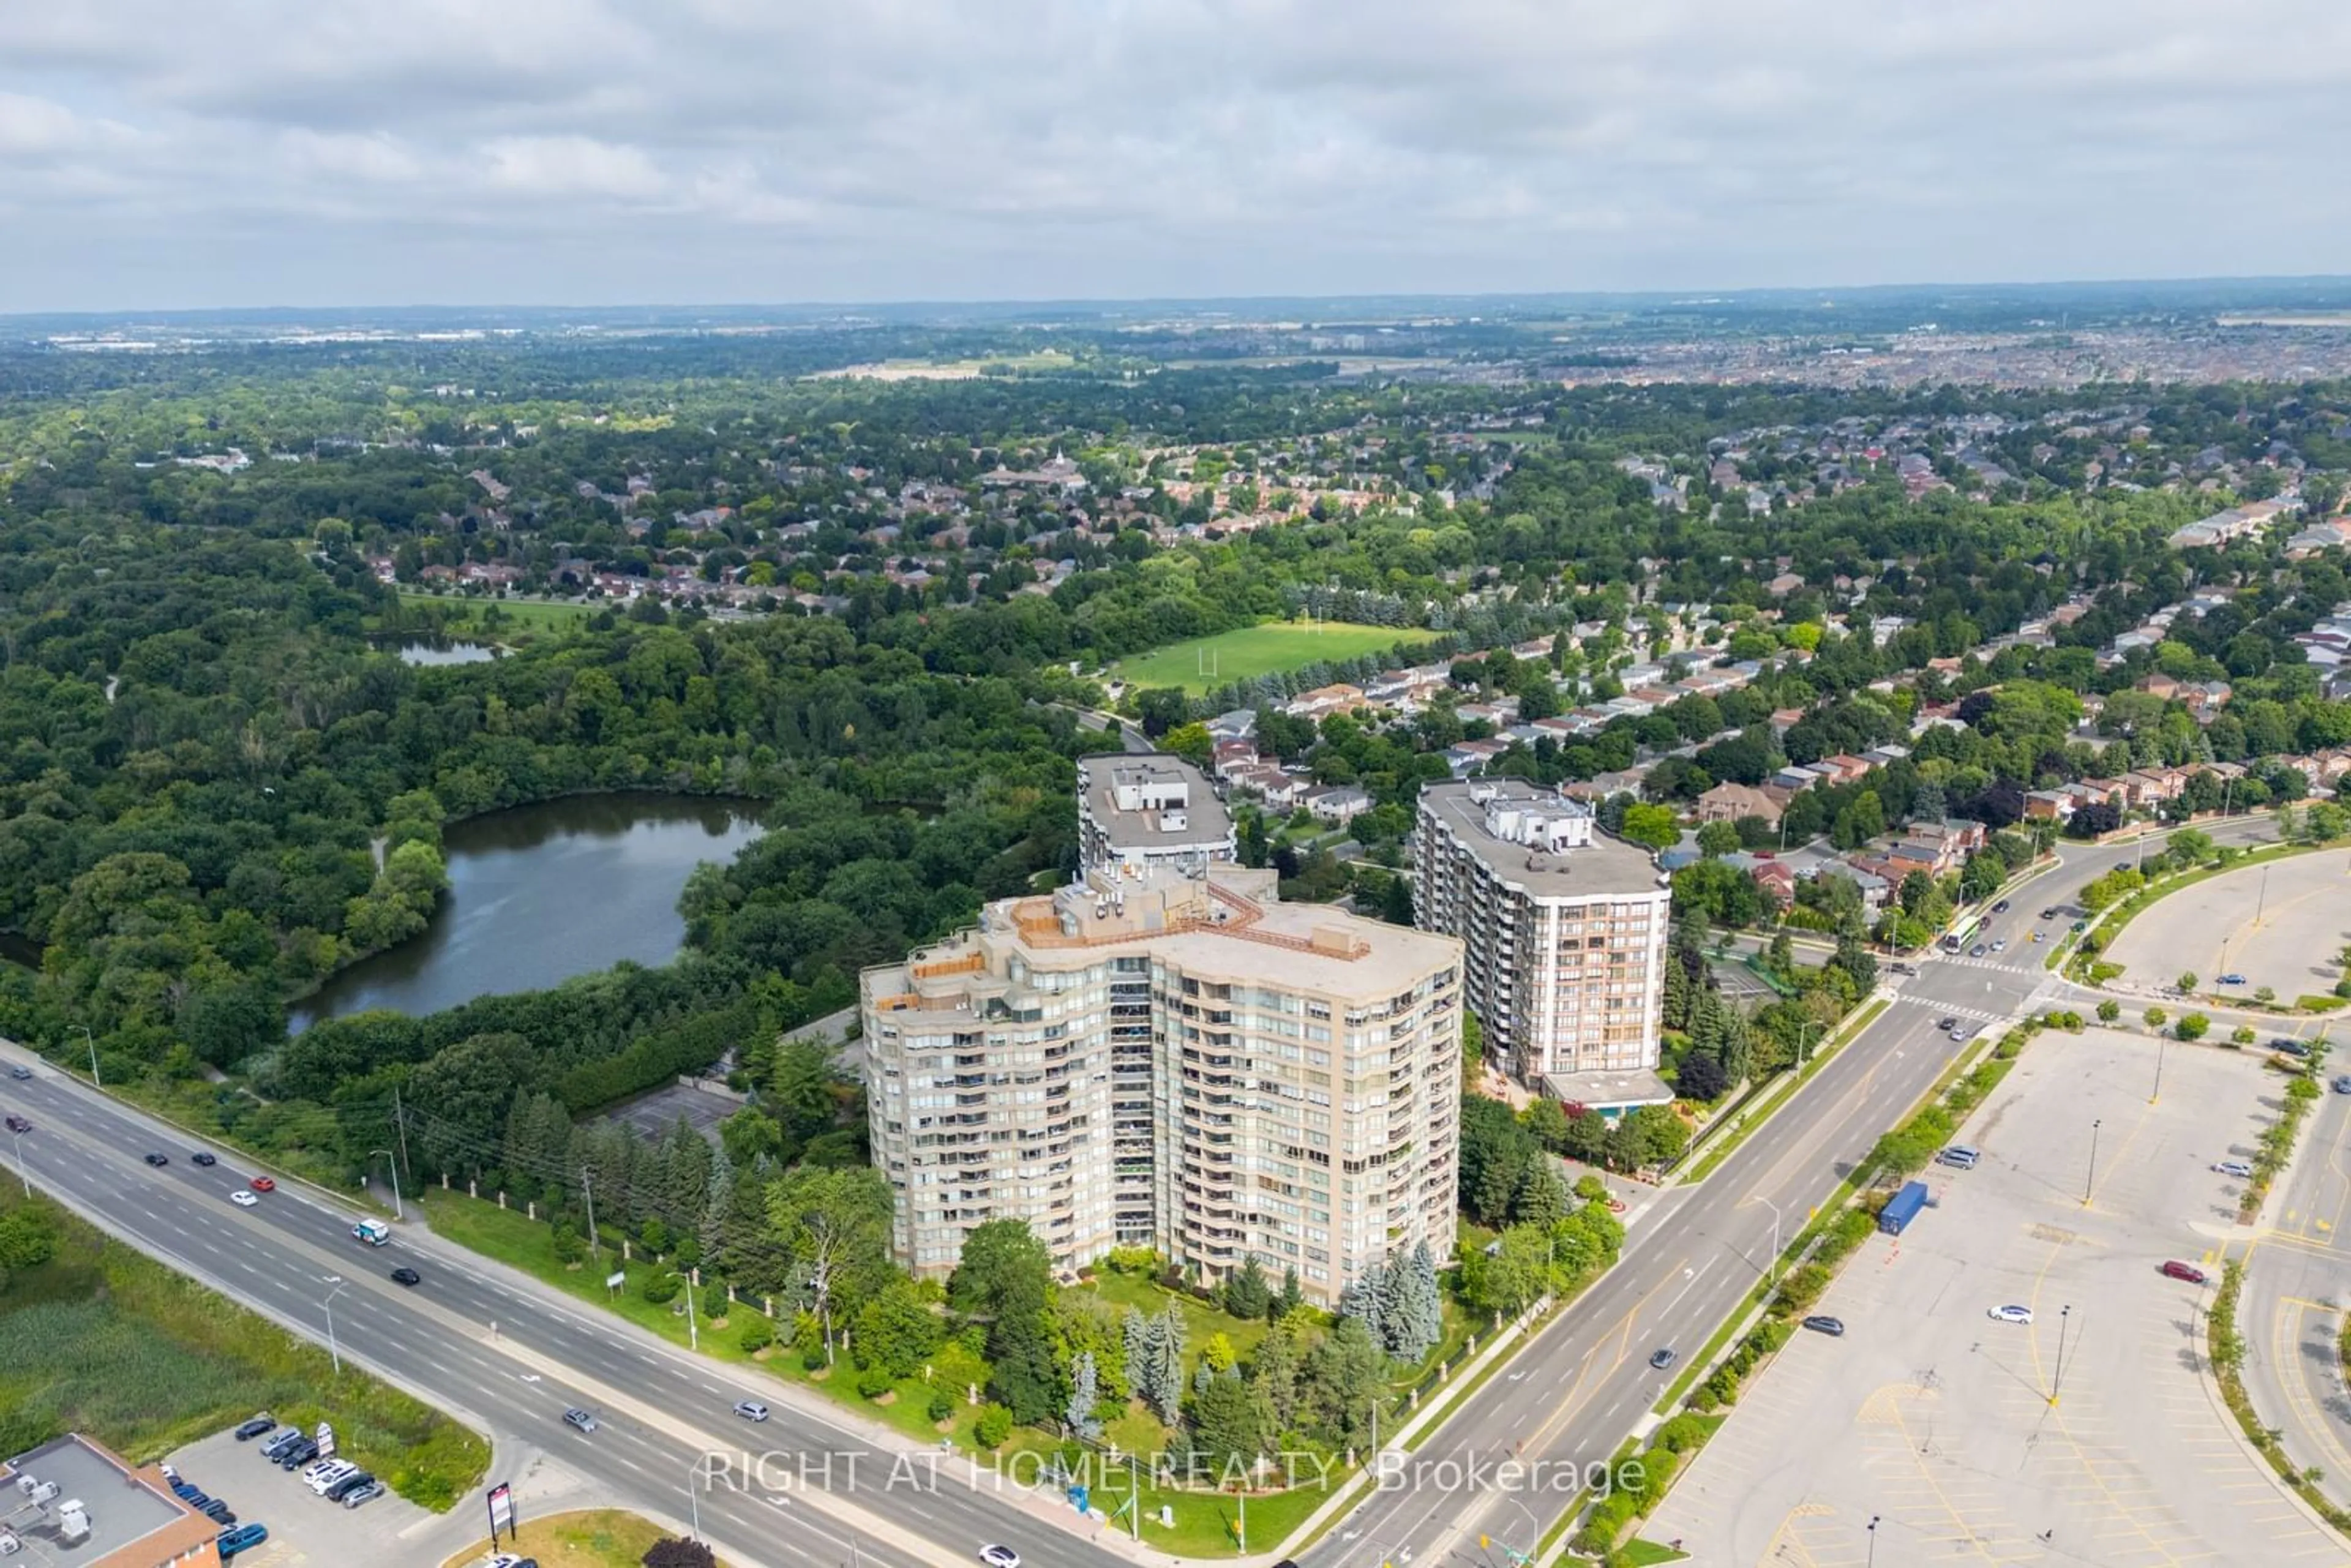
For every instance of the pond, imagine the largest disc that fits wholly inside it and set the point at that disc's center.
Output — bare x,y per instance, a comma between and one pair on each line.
543,893
443,651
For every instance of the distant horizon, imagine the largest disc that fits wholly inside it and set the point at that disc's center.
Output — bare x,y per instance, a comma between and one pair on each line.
1825,295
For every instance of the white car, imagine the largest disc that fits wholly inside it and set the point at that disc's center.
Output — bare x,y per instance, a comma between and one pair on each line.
2010,1314
2237,1168
244,1197
999,1557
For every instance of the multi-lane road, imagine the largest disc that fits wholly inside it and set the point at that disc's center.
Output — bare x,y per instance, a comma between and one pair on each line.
511,1355
1584,1384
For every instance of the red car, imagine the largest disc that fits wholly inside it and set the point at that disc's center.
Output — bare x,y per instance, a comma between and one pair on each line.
2188,1272
262,1184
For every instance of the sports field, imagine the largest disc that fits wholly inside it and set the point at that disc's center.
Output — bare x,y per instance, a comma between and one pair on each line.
1206,662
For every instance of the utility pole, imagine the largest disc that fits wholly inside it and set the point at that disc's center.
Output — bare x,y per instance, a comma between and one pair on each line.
2160,1038
587,1191
692,1329
397,1211
20,1165
333,1355
400,1125
2092,1179
1771,1269
2057,1382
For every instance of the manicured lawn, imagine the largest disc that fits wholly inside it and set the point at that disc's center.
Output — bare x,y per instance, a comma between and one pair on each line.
593,1538
1201,1321
1203,1521
1642,1554
104,1340
529,614
1206,663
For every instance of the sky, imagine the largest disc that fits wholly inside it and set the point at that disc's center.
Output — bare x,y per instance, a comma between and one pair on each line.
163,154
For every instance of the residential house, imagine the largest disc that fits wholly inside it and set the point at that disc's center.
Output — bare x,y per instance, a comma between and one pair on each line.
1727,803
1339,804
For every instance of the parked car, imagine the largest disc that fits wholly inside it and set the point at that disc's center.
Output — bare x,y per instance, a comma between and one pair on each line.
580,1419
358,1497
2010,1314
217,1512
2000,946
301,1453
242,1538
2232,979
1959,1156
255,1428
243,1198
346,1485
274,1448
750,1410
2237,1168
1833,1327
404,1276
2001,907
2290,1047
158,1161
2188,1272
2343,1085
1661,1359
262,1184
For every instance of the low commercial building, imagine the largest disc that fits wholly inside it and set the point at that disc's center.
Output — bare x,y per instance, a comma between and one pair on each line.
74,1503
1174,1061
1564,932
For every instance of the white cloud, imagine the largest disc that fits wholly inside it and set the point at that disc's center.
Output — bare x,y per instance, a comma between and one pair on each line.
432,148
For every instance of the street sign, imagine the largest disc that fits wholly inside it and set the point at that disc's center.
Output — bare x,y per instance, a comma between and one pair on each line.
616,1279
502,1513
326,1439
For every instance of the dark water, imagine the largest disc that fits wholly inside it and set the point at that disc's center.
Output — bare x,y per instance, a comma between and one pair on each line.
542,892
419,652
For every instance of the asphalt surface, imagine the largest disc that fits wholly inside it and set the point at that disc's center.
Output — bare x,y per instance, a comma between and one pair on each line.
2298,1281
510,1355
1584,1384
510,1358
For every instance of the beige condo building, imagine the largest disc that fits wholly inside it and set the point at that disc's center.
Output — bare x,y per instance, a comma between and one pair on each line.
1565,931
1172,1059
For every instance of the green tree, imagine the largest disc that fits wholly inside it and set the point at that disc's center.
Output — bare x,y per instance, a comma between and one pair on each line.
1715,839
1650,825
835,1224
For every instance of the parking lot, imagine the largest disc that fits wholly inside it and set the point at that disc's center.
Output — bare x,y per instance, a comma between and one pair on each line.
2088,1436
2285,935
305,1530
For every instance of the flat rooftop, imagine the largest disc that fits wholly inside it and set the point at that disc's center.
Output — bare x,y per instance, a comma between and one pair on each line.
1605,1091
1605,865
1206,821
126,1507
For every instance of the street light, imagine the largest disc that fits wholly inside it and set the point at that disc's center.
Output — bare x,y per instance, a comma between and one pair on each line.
1873,1538
693,1502
1771,1269
333,1355
397,1211
94,1083
20,1164
2160,1040
2092,1179
2057,1380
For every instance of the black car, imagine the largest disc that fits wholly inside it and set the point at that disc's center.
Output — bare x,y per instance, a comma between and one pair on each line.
348,1485
2290,1047
405,1277
18,1125
217,1512
1947,1023
255,1427
1977,951
2049,914
204,1159
158,1161
1833,1327
2000,908
303,1451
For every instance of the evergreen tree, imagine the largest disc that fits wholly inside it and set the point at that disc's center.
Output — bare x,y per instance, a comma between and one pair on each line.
1080,1416
1541,1198
1293,1295
1418,1322
1247,1294
1364,1297
1274,1372
1853,957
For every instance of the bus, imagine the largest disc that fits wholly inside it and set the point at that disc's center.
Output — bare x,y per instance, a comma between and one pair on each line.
1956,940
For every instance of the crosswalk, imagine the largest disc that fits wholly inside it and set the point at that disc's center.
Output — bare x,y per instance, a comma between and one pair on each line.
1976,1015
2029,971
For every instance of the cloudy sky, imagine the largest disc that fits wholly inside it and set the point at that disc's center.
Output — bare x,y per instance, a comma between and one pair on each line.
160,153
